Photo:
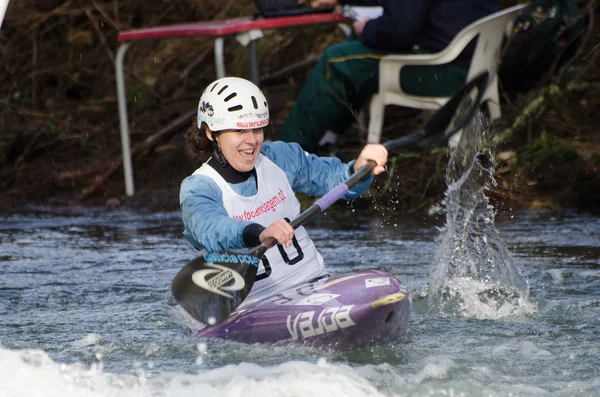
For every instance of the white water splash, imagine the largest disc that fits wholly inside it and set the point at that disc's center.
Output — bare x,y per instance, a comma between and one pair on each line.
473,274
88,340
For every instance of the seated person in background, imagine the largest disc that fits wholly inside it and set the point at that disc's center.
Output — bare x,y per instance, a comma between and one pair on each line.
245,192
347,74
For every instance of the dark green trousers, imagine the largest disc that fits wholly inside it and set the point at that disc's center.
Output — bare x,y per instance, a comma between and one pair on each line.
342,82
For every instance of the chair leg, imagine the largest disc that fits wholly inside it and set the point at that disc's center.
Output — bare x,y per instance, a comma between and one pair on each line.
493,110
361,118
493,99
454,139
376,113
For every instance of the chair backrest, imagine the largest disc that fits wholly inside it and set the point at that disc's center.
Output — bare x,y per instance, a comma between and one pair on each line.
490,32
489,44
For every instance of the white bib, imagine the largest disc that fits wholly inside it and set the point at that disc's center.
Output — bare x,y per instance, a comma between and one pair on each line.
274,200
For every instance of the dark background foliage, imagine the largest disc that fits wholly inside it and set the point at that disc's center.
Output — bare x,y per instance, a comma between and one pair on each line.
59,127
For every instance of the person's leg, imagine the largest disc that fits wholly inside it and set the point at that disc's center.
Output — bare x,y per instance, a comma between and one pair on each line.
340,84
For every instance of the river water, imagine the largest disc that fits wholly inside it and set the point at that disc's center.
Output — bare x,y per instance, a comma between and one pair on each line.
86,311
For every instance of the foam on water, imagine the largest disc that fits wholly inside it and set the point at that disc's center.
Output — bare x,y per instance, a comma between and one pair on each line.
465,296
34,373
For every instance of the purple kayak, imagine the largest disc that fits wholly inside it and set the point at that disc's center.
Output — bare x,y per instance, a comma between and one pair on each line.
348,311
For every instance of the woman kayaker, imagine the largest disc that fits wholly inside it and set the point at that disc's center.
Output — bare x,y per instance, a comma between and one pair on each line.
245,191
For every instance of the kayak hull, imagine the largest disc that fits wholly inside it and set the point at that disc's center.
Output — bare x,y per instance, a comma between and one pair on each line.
348,311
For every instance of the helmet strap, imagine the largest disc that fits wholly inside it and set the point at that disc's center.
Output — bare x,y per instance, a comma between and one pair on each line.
217,153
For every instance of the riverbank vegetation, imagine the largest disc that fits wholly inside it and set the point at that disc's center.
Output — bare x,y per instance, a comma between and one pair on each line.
60,143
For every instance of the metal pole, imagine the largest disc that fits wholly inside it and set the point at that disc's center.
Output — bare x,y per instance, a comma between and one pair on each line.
253,62
123,120
219,61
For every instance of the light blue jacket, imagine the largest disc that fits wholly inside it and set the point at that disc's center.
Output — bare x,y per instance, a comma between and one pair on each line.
206,222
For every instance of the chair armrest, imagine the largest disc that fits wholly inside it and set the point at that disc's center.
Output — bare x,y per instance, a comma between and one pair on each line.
390,65
420,59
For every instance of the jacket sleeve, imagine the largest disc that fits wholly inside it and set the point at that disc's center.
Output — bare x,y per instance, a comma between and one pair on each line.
206,222
400,26
311,174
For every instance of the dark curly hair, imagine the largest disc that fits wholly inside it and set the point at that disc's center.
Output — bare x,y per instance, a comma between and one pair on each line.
197,145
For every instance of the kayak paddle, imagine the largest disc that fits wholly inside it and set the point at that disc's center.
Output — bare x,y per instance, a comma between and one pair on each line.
214,284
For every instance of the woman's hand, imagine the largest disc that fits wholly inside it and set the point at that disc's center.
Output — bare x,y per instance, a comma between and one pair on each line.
280,230
320,3
359,26
373,151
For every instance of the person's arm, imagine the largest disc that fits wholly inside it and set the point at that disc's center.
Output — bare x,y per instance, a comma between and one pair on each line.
206,222
311,174
332,3
401,24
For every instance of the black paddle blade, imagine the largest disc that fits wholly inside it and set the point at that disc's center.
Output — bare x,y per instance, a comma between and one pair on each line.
447,121
458,111
213,285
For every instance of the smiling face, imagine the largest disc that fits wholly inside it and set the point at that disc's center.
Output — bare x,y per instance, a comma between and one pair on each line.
240,147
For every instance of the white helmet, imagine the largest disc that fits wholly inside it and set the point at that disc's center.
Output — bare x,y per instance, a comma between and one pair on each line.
232,103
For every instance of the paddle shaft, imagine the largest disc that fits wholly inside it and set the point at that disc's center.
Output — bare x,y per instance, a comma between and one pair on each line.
321,204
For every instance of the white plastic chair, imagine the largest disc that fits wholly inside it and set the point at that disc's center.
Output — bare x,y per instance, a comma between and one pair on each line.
491,31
